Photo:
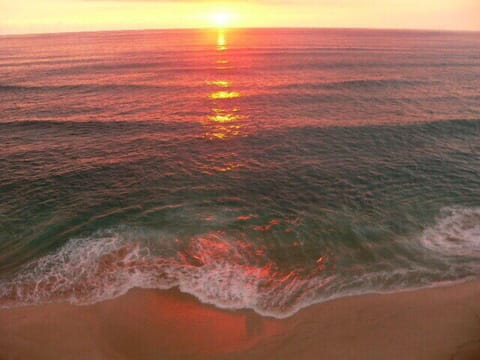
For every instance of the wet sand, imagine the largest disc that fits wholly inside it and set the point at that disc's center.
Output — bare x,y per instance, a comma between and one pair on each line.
440,323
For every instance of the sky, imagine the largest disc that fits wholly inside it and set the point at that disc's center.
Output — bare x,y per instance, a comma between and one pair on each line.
37,16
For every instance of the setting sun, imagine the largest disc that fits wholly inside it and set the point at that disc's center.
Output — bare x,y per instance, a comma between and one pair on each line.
221,19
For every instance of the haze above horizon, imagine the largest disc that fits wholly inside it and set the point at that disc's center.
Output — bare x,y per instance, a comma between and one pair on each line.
51,16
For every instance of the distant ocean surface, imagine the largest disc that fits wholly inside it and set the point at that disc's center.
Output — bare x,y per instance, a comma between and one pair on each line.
262,169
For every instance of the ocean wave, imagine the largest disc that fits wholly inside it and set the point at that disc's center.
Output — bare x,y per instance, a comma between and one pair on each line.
456,233
356,84
227,273
232,273
88,87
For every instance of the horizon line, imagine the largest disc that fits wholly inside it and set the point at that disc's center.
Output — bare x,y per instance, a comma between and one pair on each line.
244,28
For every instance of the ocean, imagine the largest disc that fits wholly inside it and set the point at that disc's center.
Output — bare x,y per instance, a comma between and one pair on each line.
267,169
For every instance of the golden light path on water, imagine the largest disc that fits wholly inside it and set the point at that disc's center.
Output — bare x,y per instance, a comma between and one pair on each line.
224,95
225,120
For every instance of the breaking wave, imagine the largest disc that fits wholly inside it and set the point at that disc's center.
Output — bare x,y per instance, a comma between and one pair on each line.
456,233
228,274
231,274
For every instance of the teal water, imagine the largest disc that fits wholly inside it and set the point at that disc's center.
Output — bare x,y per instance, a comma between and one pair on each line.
268,170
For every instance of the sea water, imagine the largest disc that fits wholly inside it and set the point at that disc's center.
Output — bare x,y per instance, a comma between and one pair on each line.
262,169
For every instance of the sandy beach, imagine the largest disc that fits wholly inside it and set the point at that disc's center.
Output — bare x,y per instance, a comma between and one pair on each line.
437,323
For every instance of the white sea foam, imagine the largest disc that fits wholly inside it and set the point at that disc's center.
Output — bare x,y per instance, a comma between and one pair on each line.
227,273
82,271
456,232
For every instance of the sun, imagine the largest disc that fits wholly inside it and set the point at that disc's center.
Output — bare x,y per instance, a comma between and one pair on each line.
221,19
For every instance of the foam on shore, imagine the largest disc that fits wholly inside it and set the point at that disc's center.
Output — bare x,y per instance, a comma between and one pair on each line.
231,273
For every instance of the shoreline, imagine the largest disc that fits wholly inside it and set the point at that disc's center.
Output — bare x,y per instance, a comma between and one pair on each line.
432,323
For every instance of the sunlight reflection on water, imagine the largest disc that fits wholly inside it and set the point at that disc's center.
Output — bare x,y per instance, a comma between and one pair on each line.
225,121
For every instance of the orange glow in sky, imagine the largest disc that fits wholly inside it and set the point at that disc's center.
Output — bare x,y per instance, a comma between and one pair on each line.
33,16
